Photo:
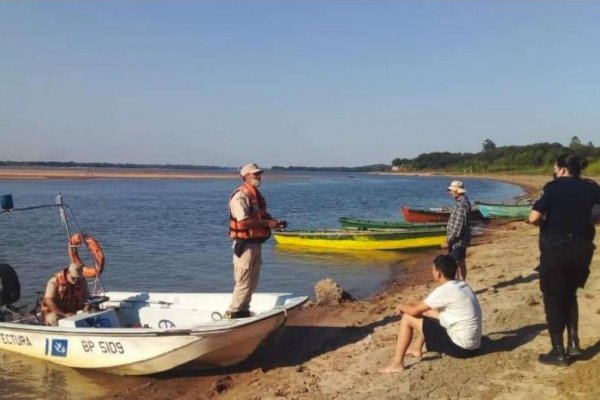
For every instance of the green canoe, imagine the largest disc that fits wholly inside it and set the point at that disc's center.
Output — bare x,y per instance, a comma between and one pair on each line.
503,210
367,224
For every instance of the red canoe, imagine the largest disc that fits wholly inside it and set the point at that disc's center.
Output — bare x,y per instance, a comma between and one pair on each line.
420,215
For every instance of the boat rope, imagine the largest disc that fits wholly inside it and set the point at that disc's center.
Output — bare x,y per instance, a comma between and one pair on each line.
491,230
497,230
285,312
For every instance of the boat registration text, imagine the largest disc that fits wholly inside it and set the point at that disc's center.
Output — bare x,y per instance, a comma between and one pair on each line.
101,346
15,340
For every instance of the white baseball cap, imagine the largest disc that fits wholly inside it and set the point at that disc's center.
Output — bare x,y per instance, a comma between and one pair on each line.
250,169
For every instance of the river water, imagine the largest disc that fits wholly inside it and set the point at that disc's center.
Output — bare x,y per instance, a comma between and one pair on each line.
171,235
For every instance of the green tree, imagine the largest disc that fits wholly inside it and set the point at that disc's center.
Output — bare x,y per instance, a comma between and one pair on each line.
488,145
400,161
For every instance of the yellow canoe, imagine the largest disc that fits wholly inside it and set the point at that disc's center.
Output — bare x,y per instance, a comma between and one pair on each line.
363,240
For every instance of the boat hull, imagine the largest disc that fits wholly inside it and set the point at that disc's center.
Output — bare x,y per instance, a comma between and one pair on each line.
417,215
489,210
353,240
367,224
141,351
128,354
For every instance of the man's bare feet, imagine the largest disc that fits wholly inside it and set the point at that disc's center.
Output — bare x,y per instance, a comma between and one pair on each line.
392,368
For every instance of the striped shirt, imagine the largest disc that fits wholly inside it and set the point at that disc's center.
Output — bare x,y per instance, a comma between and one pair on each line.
458,230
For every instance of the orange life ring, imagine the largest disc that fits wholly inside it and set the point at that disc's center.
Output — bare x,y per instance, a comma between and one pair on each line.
95,250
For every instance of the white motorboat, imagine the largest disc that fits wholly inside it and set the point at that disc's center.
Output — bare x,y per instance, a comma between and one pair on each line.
145,333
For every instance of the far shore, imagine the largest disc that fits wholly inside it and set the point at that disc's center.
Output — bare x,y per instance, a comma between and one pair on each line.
111,173
529,182
532,184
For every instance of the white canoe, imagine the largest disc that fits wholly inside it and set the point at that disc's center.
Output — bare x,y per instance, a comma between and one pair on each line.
138,333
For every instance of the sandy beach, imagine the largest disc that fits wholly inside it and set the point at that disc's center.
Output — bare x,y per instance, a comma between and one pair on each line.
334,352
111,173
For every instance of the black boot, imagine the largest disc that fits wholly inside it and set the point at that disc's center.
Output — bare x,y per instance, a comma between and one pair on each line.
573,348
557,355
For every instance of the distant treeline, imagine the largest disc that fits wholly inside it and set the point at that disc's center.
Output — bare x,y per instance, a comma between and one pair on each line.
72,164
365,168
533,158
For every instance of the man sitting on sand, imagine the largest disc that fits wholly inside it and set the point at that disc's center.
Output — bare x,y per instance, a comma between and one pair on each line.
448,320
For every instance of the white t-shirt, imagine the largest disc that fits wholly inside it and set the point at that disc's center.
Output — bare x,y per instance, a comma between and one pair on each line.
460,313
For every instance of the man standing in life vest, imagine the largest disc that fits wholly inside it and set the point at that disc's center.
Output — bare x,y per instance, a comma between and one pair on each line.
65,294
249,226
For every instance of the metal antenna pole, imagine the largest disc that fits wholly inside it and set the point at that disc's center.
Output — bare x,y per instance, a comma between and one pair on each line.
63,214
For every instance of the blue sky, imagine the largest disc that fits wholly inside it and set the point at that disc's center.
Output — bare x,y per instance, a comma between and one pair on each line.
292,83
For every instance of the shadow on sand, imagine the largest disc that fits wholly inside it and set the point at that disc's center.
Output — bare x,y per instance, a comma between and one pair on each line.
290,346
510,340
502,341
295,345
589,352
515,281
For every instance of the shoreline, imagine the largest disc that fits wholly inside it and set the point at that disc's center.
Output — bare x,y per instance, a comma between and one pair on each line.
334,352
137,173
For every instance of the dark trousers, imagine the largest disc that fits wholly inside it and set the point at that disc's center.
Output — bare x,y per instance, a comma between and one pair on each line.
563,269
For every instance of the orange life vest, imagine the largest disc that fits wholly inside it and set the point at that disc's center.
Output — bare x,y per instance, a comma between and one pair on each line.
258,210
70,296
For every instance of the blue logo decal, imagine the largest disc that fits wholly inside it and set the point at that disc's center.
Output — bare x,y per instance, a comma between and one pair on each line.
59,347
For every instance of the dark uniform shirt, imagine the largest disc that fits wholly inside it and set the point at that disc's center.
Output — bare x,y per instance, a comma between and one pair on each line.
567,206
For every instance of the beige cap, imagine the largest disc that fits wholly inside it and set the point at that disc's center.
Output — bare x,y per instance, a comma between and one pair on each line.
75,270
457,186
250,169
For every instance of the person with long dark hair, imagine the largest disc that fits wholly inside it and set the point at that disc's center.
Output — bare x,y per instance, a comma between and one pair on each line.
564,212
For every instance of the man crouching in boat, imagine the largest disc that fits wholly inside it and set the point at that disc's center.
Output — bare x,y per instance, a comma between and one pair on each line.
448,320
249,226
65,294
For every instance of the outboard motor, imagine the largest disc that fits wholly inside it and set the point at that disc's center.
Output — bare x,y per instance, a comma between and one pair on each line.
10,288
